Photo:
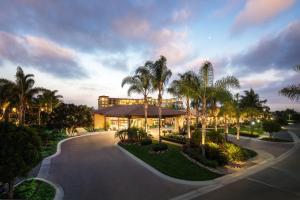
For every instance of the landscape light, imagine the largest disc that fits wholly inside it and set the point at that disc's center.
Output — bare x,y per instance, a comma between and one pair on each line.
252,123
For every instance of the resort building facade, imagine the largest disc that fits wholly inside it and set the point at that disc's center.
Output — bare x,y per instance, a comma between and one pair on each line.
106,101
119,117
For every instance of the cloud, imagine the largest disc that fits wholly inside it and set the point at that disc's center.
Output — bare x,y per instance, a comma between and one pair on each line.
281,51
257,12
227,8
181,15
41,54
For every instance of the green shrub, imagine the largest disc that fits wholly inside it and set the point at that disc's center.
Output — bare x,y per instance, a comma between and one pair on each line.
271,127
214,152
159,147
234,152
196,137
146,141
180,139
196,154
131,135
215,137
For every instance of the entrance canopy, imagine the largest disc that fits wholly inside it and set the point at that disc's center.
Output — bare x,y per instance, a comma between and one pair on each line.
129,111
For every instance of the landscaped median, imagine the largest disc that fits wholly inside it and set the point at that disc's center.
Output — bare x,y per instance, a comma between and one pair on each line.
170,162
186,161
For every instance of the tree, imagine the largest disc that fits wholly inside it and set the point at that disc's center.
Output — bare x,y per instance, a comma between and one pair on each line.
140,83
23,90
271,127
219,95
49,99
292,91
251,104
19,153
70,117
228,110
183,87
7,100
160,75
206,89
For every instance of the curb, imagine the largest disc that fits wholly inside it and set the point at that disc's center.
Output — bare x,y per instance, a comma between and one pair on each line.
59,193
45,166
259,140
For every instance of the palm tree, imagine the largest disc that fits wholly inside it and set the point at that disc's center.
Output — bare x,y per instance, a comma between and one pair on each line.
207,88
183,87
228,110
251,104
140,83
49,99
292,91
238,115
6,100
160,75
23,90
219,95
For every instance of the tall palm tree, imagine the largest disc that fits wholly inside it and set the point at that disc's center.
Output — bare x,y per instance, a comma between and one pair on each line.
23,90
207,88
228,110
219,95
140,83
50,99
160,75
292,91
183,87
251,104
238,115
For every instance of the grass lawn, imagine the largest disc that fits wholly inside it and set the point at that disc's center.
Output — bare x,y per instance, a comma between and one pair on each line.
171,163
245,131
274,139
34,190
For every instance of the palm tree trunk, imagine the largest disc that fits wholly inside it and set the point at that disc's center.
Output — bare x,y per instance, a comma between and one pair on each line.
226,128
203,125
197,113
216,122
159,114
188,117
146,112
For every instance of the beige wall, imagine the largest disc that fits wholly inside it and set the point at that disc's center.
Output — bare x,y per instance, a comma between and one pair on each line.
99,121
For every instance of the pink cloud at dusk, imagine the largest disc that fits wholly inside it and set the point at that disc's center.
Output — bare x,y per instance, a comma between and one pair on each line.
257,12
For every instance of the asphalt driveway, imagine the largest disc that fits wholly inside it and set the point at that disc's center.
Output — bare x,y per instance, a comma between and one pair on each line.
92,167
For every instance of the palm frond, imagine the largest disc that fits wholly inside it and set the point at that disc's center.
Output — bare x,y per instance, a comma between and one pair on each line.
292,92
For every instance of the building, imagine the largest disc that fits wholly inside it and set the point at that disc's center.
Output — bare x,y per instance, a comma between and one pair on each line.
106,101
119,117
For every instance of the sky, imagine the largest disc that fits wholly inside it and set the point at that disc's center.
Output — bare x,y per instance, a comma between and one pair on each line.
85,48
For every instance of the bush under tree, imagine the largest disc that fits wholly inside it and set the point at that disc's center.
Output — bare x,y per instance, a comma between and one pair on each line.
19,153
